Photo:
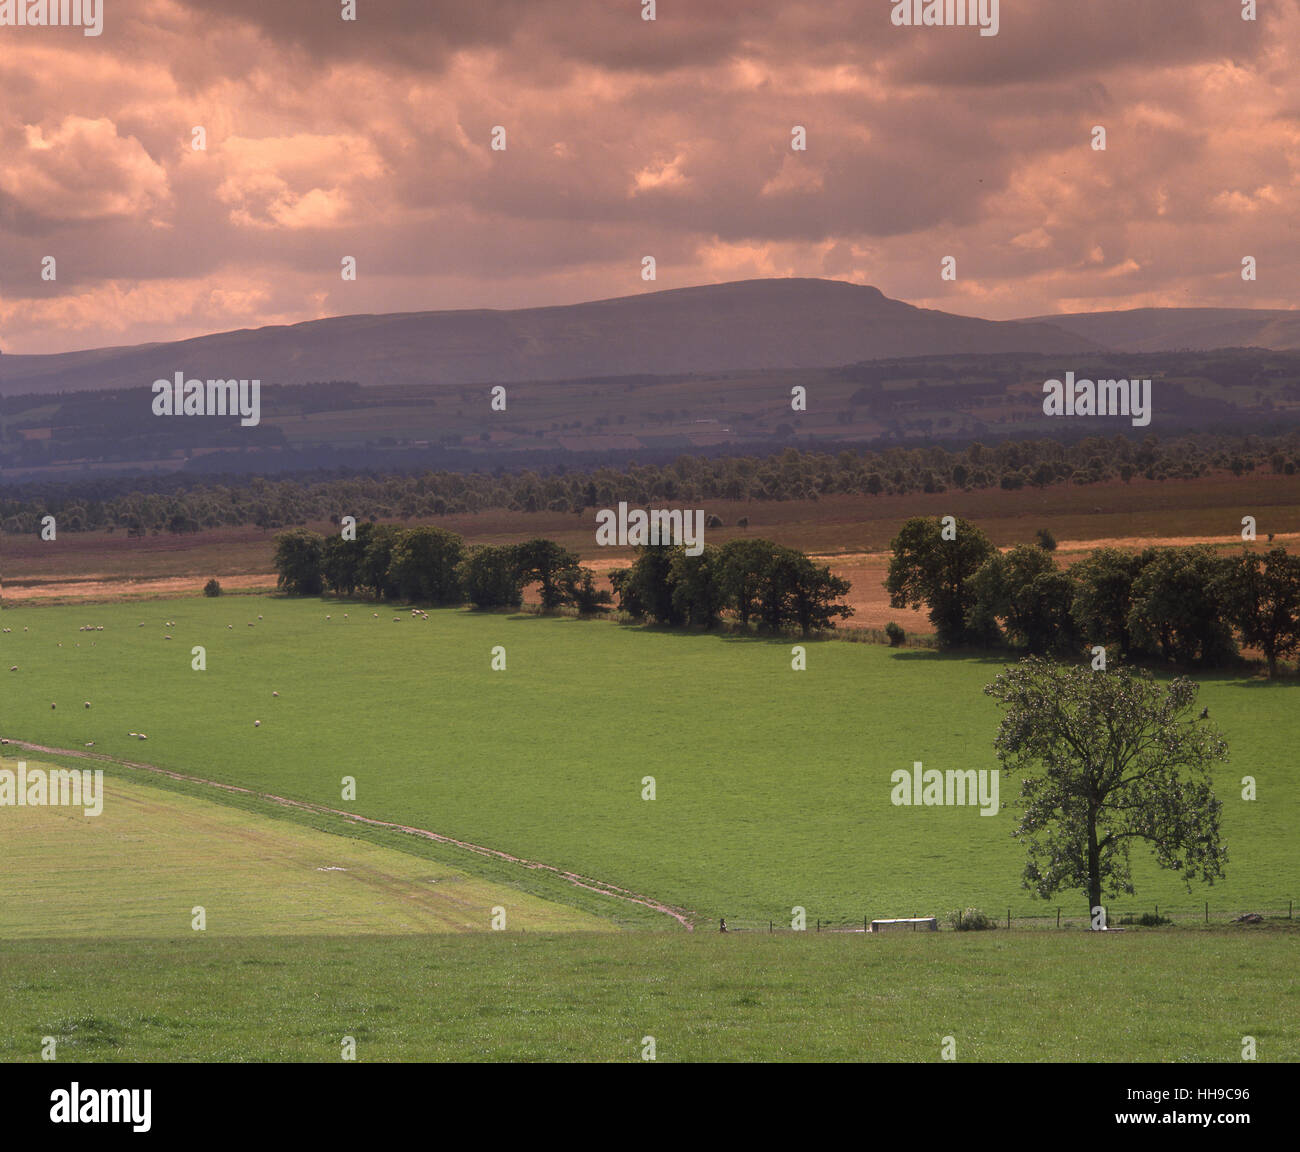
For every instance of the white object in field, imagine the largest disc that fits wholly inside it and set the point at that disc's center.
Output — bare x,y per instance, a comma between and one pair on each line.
915,923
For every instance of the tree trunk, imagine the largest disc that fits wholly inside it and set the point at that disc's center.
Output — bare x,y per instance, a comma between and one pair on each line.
1094,865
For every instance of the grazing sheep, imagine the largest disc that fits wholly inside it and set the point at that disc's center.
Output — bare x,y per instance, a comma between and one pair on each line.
143,736
230,627
87,703
53,706
276,695
259,617
90,743
13,668
257,723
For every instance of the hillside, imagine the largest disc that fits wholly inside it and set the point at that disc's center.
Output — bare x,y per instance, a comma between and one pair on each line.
1183,329
747,325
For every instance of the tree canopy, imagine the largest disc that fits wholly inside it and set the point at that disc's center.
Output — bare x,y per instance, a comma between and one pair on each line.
1120,761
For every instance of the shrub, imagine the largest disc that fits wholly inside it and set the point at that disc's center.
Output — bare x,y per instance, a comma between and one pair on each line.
712,521
970,920
896,635
1046,540
212,588
1146,920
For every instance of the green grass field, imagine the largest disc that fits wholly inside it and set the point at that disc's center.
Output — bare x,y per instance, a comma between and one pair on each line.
773,786
1070,996
140,867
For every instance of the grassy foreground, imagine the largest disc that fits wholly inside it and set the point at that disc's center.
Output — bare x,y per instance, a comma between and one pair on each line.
1074,996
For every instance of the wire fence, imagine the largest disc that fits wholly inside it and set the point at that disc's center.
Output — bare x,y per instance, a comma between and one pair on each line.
1050,917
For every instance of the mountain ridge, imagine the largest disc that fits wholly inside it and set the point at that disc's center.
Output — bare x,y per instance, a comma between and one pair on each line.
759,324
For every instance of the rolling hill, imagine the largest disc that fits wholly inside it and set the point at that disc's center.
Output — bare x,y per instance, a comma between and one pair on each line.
751,324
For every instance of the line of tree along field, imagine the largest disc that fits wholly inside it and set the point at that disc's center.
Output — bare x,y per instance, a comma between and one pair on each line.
1189,606
177,504
759,583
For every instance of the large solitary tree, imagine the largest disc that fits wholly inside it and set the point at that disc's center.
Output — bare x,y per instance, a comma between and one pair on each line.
1121,761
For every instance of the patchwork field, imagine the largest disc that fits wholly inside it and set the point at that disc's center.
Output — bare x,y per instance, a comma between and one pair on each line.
849,533
772,786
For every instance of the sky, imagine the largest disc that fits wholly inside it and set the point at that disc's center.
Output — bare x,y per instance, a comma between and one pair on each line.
624,138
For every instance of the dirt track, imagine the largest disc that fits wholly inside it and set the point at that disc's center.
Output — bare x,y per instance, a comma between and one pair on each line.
604,889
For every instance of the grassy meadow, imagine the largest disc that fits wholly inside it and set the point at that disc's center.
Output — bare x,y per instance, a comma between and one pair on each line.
772,786
141,866
1177,997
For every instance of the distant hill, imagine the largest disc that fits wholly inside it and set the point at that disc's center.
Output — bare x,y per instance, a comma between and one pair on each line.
747,325
1184,329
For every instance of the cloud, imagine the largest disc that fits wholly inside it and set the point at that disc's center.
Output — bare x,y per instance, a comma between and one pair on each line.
294,182
81,170
629,138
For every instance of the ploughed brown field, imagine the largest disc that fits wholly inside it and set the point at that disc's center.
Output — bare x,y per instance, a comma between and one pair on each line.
849,533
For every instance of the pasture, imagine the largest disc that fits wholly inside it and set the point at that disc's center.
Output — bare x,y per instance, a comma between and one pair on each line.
140,867
772,786
1177,997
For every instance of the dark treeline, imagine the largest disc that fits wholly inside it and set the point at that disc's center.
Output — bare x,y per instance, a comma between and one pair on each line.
1188,606
757,582
185,504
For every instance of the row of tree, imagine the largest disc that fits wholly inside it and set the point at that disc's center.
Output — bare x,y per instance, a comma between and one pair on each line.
774,587
1189,606
755,581
432,566
174,504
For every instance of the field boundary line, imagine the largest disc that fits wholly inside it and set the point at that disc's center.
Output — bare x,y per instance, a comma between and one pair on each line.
600,887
